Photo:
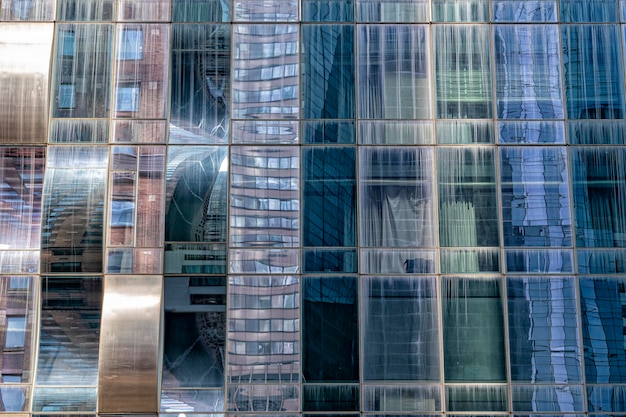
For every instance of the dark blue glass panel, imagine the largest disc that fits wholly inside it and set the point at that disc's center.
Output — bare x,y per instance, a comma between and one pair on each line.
602,261
543,330
330,335
330,260
599,186
608,398
545,261
548,398
594,80
329,215
524,11
589,10
476,398
328,72
531,132
328,131
200,11
603,301
595,132
327,10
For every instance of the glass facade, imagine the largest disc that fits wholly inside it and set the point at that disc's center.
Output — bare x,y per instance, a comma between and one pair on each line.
306,208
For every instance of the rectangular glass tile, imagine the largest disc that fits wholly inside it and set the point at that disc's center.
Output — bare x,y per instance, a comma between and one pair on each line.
601,261
330,397
24,79
19,262
545,261
191,401
265,132
547,398
543,334
200,11
397,261
90,10
330,340
524,11
263,398
402,310
79,131
139,131
401,398
392,10
476,398
464,132
458,261
608,398
27,10
394,71
460,11
328,132
397,132
14,398
595,132
144,10
589,10
195,258
266,10
328,83
327,10
531,132
264,261
64,399
332,261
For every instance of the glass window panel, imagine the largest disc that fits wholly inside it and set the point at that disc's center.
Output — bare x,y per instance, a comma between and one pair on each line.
200,11
18,262
394,72
184,401
264,398
63,399
589,11
259,49
468,212
79,131
265,132
14,398
264,171
139,131
73,209
603,301
397,132
141,70
473,334
69,334
599,184
121,226
556,398
266,10
524,11
82,70
392,10
328,68
27,10
400,329
196,186
327,10
269,356
458,261
402,398
546,261
24,80
535,196
463,71
605,132
190,258
195,332
603,261
21,182
76,10
465,132
330,260
328,132
476,398
150,197
396,197
543,330
144,10
593,71
397,261
200,92
330,336
329,187
460,11
528,72
606,398
330,397
531,132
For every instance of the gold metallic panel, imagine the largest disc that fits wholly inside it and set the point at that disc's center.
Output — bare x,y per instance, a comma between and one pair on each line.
24,81
129,344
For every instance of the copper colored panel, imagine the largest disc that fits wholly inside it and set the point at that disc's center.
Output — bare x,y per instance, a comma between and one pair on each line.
129,344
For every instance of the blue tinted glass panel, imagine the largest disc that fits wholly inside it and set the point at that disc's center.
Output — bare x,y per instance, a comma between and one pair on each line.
328,68
554,399
528,72
605,132
330,260
329,187
589,10
543,330
464,132
458,261
397,261
524,11
603,301
593,71
200,11
546,261
535,196
602,261
531,132
460,11
328,10
322,132
599,184
608,398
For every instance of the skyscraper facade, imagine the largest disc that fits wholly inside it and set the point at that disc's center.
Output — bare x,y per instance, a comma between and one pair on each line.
244,208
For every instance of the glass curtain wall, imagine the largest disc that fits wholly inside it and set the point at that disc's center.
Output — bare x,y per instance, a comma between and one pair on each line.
242,208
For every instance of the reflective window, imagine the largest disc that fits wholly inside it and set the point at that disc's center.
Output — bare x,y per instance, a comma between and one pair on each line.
27,10
535,196
392,10
528,72
460,11
394,72
144,10
200,11
402,310
543,330
396,197
77,10
589,10
328,10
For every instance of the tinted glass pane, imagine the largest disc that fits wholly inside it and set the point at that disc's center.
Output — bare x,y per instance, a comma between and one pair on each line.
328,10
200,11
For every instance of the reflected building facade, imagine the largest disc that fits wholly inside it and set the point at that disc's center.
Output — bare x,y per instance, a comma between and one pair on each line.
242,208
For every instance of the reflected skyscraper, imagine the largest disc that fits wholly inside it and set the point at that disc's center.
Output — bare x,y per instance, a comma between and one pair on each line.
242,208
